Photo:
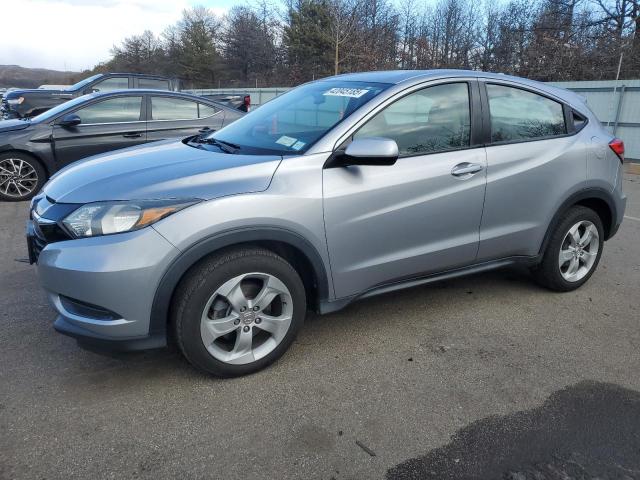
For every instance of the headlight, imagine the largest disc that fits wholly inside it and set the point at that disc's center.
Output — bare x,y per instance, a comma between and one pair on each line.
104,218
15,101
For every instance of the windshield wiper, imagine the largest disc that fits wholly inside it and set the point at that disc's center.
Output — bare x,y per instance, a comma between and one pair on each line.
222,145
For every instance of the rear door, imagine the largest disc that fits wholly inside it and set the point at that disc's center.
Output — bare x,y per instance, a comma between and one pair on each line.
106,125
421,215
533,165
174,117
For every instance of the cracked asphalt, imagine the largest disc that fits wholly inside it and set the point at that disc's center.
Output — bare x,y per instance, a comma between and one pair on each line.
488,376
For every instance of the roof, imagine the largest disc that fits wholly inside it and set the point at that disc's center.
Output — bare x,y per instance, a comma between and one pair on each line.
397,77
146,75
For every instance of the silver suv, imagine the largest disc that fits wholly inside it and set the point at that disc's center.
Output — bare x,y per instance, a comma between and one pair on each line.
341,189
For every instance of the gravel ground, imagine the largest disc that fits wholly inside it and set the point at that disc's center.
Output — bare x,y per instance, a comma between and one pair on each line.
483,377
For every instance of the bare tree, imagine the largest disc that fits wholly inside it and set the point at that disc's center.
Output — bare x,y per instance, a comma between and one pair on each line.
343,21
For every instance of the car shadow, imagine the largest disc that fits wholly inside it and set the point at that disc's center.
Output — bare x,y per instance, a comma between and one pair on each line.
587,431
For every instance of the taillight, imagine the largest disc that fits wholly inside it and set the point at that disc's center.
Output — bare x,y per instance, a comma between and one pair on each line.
247,102
617,146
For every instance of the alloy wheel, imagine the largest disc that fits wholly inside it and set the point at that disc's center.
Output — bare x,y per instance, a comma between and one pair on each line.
579,251
246,318
18,178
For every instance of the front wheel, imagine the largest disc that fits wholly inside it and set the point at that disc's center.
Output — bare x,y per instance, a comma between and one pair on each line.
573,252
238,311
21,177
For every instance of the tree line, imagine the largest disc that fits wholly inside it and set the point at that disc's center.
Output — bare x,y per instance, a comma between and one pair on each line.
278,45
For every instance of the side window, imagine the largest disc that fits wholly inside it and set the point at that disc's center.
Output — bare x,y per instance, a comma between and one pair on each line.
167,108
579,121
153,83
119,109
206,110
520,115
434,119
114,83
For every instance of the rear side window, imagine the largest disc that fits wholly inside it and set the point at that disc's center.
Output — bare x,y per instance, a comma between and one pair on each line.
579,121
113,110
167,108
153,83
434,119
521,115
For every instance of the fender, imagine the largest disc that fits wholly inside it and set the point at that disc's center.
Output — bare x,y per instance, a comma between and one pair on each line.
188,258
584,194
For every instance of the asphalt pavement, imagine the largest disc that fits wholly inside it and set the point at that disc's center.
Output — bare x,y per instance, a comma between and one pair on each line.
485,377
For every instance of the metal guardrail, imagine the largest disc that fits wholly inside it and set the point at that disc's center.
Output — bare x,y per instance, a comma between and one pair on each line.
616,104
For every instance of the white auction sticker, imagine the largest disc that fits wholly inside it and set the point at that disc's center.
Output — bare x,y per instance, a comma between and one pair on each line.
286,141
298,145
346,92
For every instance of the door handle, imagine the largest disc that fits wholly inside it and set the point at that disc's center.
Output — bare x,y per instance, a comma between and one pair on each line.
132,135
466,169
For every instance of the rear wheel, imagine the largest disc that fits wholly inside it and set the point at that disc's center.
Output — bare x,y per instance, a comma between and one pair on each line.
21,177
238,311
573,252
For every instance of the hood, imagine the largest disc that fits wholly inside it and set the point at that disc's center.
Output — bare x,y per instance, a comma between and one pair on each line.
165,169
11,125
45,92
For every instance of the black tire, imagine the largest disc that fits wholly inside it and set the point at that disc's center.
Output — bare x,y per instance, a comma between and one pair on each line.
12,194
204,279
548,273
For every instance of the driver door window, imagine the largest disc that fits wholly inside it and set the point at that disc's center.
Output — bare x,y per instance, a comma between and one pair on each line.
110,84
435,119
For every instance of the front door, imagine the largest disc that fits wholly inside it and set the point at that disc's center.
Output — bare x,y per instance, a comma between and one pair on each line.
105,125
419,216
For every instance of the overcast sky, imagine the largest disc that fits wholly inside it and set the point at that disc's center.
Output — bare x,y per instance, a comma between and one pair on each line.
78,34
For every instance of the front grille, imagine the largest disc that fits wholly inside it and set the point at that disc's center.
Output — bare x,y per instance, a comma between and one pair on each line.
48,230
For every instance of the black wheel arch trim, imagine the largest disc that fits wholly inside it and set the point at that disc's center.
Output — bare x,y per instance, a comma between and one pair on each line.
584,194
189,257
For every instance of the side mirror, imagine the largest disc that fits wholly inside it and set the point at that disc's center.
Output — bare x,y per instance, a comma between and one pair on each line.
367,151
70,120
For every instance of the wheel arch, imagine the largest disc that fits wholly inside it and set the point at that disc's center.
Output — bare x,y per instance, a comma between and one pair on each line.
293,247
597,199
35,156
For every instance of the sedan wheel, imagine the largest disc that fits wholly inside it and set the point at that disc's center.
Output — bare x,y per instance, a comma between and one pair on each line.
20,178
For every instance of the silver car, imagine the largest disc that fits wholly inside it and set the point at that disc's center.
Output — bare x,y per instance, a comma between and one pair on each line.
340,189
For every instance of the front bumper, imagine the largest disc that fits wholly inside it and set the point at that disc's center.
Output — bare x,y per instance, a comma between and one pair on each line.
103,287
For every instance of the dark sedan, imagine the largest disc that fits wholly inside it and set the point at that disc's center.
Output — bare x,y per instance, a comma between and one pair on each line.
31,150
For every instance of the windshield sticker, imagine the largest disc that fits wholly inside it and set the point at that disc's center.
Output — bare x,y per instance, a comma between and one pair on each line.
286,141
298,145
346,92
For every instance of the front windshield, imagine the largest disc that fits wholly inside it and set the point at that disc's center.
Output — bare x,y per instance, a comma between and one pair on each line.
82,83
52,112
293,122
